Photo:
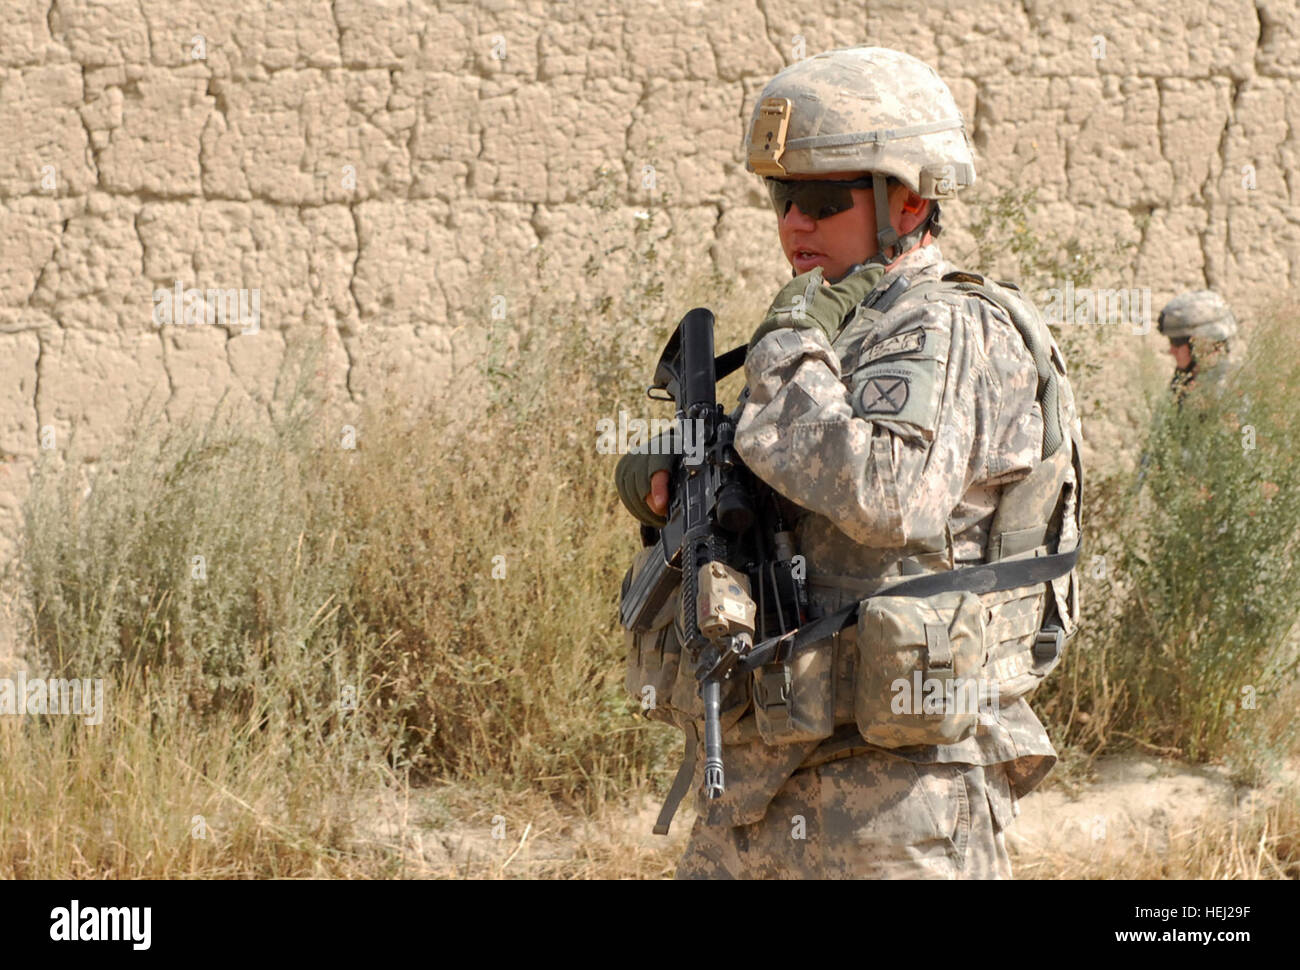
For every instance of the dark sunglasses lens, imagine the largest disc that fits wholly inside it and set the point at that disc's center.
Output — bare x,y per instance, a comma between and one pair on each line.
782,194
828,199
1179,341
820,200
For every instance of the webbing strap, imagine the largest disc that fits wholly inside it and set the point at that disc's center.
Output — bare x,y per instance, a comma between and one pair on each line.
732,360
938,645
681,785
990,578
886,234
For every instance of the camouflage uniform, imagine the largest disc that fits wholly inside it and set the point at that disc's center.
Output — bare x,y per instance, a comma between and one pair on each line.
877,492
892,437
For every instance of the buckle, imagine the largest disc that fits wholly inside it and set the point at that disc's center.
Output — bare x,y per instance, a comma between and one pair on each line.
773,687
1048,644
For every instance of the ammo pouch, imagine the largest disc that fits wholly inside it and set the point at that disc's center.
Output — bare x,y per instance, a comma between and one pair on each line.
794,699
920,662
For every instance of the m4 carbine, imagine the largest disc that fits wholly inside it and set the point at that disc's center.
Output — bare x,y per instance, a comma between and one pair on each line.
708,546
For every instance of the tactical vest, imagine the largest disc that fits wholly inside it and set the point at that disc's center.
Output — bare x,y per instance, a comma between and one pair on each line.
1027,579
1043,512
1039,515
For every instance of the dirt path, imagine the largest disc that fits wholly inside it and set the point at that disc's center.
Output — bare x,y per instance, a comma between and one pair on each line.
1133,811
1135,815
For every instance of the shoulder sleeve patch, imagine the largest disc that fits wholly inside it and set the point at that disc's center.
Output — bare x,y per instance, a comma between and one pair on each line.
906,391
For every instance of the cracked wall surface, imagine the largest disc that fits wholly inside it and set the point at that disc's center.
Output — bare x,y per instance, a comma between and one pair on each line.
211,142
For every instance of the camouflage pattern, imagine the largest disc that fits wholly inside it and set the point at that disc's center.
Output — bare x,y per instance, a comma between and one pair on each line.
865,98
873,816
880,484
653,656
1200,313
890,450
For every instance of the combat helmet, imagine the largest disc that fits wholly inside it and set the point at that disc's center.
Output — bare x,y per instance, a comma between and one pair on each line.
866,109
1201,314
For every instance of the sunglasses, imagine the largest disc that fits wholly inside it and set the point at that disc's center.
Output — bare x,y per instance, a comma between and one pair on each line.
817,199
1179,341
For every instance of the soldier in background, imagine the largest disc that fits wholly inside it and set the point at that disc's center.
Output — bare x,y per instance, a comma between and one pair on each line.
1200,328
913,420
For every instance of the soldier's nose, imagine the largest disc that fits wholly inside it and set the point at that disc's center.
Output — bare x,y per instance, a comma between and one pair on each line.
796,219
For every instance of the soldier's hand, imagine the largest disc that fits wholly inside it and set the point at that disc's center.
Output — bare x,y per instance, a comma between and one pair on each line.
809,301
658,497
642,482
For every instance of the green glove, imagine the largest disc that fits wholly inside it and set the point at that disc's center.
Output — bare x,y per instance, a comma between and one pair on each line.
807,301
633,473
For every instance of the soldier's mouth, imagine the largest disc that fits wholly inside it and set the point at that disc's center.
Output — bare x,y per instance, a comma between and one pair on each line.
805,259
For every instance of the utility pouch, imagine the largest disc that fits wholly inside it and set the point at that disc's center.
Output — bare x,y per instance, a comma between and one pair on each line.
919,677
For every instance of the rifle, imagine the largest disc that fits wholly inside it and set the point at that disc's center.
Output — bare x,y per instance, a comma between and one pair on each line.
710,546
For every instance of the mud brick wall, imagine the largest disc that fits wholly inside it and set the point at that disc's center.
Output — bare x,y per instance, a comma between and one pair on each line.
362,163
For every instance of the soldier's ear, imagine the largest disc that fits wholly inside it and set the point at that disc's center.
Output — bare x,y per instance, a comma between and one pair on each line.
913,213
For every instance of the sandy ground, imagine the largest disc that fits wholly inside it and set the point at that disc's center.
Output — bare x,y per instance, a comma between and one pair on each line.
1131,806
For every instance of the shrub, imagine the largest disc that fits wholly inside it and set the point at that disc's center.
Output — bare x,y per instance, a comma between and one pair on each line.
1189,652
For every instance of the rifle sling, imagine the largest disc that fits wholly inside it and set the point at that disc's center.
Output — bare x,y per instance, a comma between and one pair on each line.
681,785
732,360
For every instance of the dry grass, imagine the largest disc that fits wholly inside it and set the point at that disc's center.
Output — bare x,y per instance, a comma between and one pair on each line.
1262,841
150,796
1192,586
454,577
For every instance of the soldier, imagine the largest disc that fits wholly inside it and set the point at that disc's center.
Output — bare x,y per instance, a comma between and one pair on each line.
913,421
1200,327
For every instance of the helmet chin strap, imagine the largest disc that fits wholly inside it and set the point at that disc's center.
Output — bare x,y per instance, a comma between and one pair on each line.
886,234
891,244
